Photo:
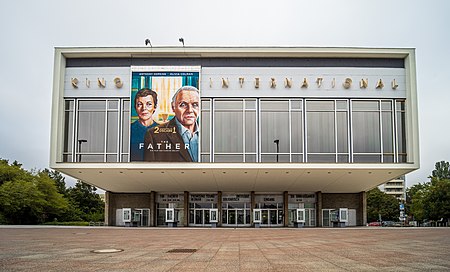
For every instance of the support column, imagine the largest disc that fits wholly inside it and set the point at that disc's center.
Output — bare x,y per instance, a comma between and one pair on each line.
153,215
319,208
253,203
219,208
108,208
285,208
363,199
186,209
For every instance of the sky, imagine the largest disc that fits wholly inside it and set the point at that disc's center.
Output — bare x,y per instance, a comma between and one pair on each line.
30,30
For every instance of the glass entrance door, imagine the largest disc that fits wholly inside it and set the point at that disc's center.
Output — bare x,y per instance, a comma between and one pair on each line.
141,217
271,217
201,217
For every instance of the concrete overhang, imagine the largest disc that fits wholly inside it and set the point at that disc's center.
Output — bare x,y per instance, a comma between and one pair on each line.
231,177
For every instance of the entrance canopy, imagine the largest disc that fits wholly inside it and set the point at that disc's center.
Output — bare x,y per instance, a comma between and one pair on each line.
231,177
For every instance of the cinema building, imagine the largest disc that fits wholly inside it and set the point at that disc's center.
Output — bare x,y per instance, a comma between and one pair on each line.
283,136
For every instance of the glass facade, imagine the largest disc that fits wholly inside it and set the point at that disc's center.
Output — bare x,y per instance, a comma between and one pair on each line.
253,130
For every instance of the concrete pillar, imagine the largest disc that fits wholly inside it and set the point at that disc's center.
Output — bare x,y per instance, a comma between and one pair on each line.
319,208
219,207
186,209
253,203
285,208
153,211
108,213
363,198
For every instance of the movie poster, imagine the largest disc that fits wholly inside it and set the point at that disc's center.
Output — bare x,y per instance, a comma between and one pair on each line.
164,110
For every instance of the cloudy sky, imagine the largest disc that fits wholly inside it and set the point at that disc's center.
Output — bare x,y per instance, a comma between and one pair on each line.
29,31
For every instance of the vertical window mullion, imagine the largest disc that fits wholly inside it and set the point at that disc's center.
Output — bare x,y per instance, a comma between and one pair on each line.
75,131
350,130
380,113
290,128
243,129
305,133
105,135
335,133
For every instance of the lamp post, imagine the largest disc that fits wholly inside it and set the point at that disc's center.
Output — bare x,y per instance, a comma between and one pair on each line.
79,148
277,142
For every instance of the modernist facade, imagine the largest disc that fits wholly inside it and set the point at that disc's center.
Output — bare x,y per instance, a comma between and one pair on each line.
395,187
275,136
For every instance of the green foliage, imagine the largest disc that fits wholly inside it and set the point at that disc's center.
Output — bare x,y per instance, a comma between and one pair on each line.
32,197
380,203
83,198
74,223
431,200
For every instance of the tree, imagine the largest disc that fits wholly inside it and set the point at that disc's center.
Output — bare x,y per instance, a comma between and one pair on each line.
441,171
84,198
431,200
58,179
380,203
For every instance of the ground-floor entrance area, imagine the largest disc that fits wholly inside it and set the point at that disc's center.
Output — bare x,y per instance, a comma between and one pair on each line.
235,209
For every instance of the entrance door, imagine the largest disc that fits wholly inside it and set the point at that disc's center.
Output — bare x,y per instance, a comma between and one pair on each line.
271,217
231,217
141,217
201,217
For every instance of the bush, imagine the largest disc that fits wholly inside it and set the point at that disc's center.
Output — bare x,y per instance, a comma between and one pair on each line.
56,223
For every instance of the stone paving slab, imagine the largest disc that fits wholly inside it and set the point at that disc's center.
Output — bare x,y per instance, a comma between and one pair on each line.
39,248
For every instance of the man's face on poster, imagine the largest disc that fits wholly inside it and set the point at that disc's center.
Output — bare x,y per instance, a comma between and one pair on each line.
186,108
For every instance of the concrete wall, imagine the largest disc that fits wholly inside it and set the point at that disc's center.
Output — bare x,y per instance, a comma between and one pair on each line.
350,201
121,200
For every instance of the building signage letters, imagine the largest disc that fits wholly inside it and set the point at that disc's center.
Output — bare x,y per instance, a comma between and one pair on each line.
101,82
304,84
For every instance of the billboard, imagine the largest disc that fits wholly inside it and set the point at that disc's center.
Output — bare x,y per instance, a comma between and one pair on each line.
164,111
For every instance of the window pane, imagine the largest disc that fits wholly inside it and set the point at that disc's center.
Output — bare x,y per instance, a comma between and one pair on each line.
276,105
206,158
388,141
297,132
320,105
321,158
228,158
366,132
91,128
69,105
274,126
112,132
297,158
365,105
228,105
342,131
250,158
92,105
125,131
68,131
296,104
341,105
90,158
228,131
320,133
111,158
206,104
113,105
205,126
250,131
386,105
250,104
366,158
273,158
401,133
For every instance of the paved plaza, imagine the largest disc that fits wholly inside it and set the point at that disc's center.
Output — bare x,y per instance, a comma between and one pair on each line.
148,249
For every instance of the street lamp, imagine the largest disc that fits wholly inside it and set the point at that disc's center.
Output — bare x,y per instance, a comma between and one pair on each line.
277,142
79,148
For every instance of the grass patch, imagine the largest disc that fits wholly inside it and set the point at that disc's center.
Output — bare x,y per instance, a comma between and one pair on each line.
81,223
